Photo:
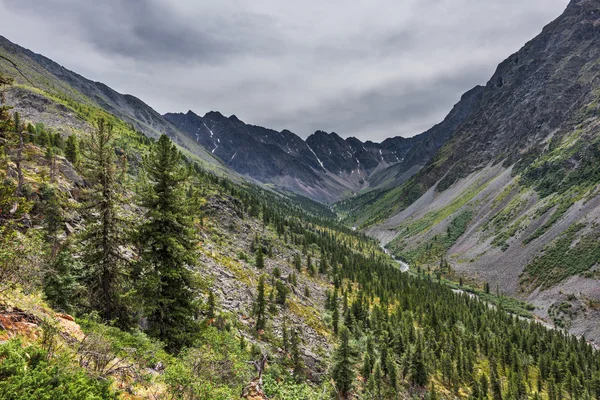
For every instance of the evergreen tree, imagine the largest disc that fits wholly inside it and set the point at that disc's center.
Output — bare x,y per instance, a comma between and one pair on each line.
72,149
484,386
168,248
260,305
104,263
297,262
60,282
210,312
285,341
496,385
418,374
335,319
260,258
342,372
19,155
297,363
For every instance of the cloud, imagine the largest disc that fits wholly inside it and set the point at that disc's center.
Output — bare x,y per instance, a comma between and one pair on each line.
367,68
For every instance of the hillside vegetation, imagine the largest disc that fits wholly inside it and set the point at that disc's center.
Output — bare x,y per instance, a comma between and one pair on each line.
129,271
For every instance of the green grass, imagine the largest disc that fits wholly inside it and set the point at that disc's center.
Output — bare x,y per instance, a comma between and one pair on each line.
571,254
439,245
433,218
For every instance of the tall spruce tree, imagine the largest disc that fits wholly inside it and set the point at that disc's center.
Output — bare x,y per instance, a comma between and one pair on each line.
72,149
104,237
168,248
297,363
342,372
260,305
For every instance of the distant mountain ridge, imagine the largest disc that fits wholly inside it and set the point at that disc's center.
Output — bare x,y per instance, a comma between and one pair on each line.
513,196
325,166
36,70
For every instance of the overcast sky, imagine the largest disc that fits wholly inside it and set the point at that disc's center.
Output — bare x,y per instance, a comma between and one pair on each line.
366,68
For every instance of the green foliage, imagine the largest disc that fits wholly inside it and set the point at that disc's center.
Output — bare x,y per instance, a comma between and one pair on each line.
31,373
168,248
286,390
571,254
342,372
216,370
61,282
260,306
438,246
105,236
260,259
72,149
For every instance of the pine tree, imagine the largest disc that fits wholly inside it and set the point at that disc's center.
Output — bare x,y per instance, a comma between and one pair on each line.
297,262
60,282
484,385
496,385
285,341
335,319
210,312
168,248
432,392
106,268
260,258
418,374
260,305
72,149
342,372
367,366
297,363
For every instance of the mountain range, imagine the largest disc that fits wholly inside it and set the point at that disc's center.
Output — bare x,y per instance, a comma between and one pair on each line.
325,166
503,191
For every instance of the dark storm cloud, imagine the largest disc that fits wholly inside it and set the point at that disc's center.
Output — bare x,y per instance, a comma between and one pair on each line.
366,68
151,30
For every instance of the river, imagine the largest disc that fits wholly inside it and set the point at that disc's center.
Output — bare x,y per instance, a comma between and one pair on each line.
404,267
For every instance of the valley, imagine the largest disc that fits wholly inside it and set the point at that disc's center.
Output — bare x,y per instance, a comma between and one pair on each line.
184,256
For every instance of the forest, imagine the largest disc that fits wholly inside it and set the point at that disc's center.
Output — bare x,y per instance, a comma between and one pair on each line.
120,253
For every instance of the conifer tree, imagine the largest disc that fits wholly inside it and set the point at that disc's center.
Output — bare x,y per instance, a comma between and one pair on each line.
60,282
342,372
260,305
335,319
168,248
72,149
496,385
105,266
260,258
297,363
285,341
297,262
418,375
210,313
53,216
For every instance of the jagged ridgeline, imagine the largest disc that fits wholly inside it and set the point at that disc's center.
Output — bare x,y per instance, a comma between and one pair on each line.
130,271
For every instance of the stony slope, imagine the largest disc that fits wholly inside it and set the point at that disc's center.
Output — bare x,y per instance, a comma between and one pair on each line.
512,198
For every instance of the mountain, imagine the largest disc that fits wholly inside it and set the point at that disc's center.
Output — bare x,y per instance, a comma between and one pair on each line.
42,74
132,268
266,277
512,197
324,167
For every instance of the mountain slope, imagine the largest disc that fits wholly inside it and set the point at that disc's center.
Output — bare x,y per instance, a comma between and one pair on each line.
512,198
325,166
34,70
